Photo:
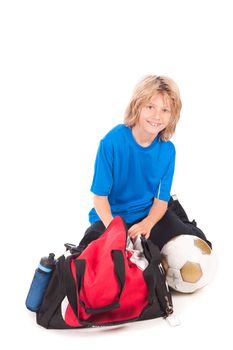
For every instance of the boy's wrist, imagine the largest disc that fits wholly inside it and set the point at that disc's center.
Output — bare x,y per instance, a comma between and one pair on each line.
107,221
149,222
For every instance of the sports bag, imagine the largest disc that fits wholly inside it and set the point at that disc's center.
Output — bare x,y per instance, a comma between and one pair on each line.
103,286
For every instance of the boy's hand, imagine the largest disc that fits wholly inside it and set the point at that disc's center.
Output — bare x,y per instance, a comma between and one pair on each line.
141,228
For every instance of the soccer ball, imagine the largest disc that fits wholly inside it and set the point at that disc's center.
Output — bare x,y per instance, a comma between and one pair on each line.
189,263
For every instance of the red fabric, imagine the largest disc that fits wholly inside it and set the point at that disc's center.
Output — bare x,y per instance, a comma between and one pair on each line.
100,285
70,317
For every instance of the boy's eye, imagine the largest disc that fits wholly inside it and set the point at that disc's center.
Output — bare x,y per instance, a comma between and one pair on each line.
165,110
149,107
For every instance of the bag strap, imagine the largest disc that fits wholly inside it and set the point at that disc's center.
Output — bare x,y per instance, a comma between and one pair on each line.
155,277
70,286
58,288
119,269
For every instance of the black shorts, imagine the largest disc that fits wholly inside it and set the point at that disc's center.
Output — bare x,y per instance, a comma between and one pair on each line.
175,222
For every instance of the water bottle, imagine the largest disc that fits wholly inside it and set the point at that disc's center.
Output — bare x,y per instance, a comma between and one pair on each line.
40,282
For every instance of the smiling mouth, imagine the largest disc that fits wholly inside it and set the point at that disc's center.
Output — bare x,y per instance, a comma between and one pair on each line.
155,125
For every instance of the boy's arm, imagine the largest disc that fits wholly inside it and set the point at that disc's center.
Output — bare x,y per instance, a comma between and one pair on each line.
103,209
157,211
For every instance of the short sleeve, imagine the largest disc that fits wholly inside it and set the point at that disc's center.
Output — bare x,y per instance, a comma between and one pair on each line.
164,188
103,170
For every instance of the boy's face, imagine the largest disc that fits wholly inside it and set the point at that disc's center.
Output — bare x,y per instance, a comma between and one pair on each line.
155,115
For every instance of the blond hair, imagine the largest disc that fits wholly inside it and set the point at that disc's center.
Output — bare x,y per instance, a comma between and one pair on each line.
144,91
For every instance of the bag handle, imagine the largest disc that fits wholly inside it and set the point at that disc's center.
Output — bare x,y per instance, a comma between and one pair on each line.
119,269
155,277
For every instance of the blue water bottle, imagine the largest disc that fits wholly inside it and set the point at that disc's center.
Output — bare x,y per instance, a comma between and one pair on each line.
40,282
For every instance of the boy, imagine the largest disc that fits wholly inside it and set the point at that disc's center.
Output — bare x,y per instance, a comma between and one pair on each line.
135,162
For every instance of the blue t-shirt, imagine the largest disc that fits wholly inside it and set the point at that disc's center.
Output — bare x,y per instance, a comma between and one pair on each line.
131,175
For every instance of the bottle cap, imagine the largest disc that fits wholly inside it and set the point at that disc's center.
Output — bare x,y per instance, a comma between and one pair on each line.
48,262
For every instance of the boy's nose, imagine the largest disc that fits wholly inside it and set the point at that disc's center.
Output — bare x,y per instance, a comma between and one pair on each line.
157,115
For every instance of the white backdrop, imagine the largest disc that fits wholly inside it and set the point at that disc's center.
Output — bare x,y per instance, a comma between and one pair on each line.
68,69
